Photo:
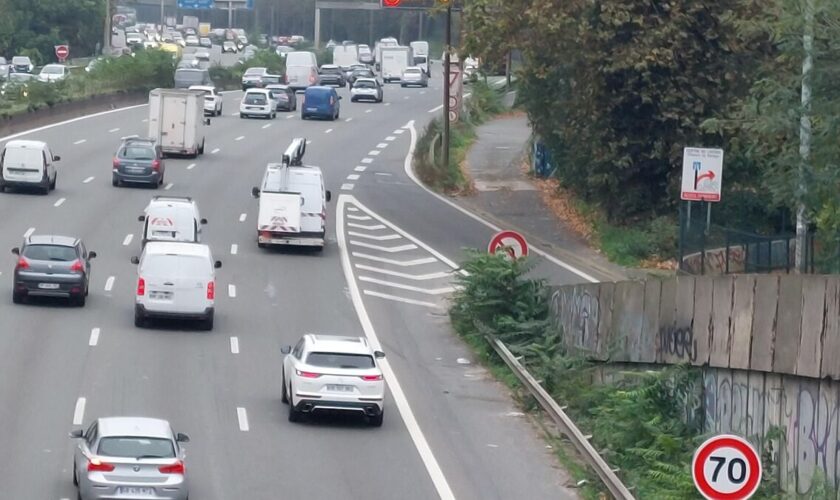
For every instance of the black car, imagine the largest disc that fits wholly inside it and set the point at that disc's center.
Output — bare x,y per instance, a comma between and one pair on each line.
52,266
286,98
138,160
330,74
360,73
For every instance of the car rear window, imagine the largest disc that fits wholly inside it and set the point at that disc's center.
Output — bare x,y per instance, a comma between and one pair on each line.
266,79
331,71
339,360
364,84
255,99
137,153
413,71
50,252
316,98
136,447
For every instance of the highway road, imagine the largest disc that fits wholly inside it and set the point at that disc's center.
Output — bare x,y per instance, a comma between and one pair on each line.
450,431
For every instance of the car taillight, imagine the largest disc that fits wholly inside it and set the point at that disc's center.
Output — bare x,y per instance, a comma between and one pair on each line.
265,234
176,468
304,374
312,78
94,464
76,267
156,165
116,162
141,287
211,290
22,263
371,378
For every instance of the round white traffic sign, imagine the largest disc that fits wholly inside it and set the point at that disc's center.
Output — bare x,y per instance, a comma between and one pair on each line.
726,467
453,116
511,242
453,102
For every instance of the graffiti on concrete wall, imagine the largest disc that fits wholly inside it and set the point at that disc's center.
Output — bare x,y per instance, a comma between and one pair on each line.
578,317
678,342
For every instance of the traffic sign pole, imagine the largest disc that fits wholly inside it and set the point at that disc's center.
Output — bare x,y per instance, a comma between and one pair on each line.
447,43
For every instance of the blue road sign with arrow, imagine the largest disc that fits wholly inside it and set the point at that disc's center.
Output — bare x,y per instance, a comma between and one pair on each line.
196,4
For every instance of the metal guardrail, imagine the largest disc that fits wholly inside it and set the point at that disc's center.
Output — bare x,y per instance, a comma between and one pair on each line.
567,427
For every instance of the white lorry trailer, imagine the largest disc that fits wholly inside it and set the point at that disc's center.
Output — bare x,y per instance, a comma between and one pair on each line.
394,61
176,121
421,55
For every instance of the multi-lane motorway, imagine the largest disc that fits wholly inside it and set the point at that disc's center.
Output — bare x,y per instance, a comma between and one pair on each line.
450,431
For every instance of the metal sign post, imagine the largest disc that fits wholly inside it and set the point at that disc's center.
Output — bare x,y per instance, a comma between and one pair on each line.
446,59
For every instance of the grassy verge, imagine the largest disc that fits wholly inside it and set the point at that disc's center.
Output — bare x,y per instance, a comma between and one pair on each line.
483,104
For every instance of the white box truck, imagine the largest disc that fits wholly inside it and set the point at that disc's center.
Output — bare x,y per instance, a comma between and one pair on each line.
176,121
377,50
421,55
345,55
394,61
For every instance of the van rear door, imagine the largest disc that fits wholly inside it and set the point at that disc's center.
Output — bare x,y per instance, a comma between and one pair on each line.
23,164
173,122
177,283
279,213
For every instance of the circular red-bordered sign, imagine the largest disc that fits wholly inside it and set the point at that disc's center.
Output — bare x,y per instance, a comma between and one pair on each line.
726,467
391,3
511,242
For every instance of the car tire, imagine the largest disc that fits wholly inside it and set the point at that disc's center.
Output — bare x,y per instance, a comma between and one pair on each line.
241,115
54,181
17,297
352,99
294,414
284,395
207,323
376,420
45,185
139,319
201,148
2,185
80,300
401,85
114,181
75,477
219,113
302,116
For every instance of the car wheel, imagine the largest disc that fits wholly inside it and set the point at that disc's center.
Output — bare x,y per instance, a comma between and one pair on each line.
139,319
200,148
54,181
294,414
207,323
80,300
17,297
219,112
2,185
352,99
114,181
302,116
241,115
403,86
45,186
284,396
75,477
376,420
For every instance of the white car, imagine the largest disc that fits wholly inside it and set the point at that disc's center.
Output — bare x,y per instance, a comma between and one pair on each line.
327,372
52,73
171,218
212,99
366,89
258,102
175,280
202,55
192,41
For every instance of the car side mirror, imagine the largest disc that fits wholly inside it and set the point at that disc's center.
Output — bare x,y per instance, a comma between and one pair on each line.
255,192
16,251
135,260
217,264
207,121
182,438
329,195
203,221
141,218
56,158
378,354
77,434
91,255
340,98
286,349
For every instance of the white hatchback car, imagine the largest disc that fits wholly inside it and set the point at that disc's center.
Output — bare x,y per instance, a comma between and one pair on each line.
258,102
333,373
212,99
177,281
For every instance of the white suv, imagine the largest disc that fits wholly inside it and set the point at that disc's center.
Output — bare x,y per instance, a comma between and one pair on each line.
175,280
327,372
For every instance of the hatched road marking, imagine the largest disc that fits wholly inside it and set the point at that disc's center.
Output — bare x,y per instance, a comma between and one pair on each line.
396,249
358,217
348,120
369,228
401,263
400,299
434,291
415,277
384,237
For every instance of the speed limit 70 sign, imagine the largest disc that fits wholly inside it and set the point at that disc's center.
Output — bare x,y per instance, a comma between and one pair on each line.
726,467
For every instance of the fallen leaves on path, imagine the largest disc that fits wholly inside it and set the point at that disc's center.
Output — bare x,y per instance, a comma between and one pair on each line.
561,203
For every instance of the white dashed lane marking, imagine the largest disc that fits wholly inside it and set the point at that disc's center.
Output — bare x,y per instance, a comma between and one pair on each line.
232,291
168,186
114,130
239,138
242,416
234,345
242,217
88,180
79,412
348,120
266,125
367,160
127,240
353,177
382,145
59,202
390,138
94,337
329,130
215,151
347,186
387,103
80,141
109,283
191,166
368,110
375,152
360,168
399,131
234,249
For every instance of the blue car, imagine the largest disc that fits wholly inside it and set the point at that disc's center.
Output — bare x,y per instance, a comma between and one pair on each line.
320,102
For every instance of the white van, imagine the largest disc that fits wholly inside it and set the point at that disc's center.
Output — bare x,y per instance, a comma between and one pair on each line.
301,70
171,218
293,202
28,164
175,280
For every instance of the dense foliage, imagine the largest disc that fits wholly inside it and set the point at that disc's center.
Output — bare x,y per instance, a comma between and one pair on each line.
34,28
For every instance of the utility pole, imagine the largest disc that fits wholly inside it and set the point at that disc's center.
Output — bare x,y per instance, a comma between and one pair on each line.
162,16
106,41
447,49
804,139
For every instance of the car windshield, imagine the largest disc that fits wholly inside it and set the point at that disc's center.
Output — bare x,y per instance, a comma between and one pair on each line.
254,71
58,253
189,76
333,70
412,72
255,99
339,360
53,70
20,61
137,153
136,447
364,84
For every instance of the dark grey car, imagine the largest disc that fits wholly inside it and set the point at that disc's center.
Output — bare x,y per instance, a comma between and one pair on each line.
140,161
52,266
330,74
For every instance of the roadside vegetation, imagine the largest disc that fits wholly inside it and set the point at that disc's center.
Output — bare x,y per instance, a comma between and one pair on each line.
616,90
483,103
643,422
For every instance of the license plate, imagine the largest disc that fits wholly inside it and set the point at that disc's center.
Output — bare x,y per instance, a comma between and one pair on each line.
340,388
312,109
160,295
48,286
133,490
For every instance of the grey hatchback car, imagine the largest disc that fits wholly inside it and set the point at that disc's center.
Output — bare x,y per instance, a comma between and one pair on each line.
130,457
138,160
52,266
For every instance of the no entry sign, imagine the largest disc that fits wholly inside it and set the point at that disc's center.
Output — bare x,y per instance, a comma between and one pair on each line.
61,52
511,242
726,467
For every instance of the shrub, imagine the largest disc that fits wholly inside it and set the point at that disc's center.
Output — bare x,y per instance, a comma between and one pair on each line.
146,70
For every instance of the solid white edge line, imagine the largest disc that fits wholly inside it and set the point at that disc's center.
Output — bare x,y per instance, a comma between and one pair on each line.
72,120
410,173
400,299
127,239
400,400
232,291
242,416
79,412
59,202
94,337
109,283
234,345
29,232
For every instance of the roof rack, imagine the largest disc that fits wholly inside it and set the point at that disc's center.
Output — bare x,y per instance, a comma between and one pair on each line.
293,157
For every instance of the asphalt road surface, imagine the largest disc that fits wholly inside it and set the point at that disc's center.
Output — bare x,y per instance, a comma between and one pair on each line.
450,431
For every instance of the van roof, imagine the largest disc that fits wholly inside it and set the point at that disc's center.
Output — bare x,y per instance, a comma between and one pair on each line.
274,178
23,143
170,201
177,248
